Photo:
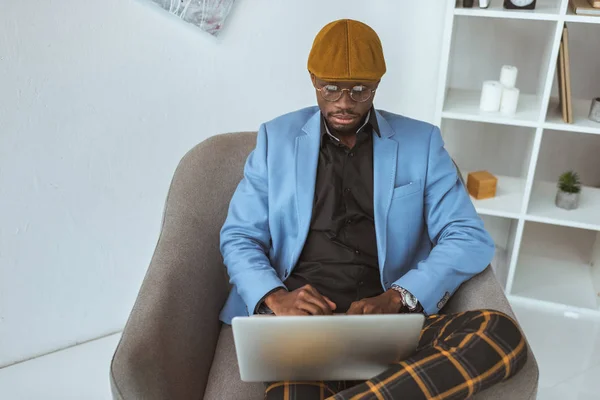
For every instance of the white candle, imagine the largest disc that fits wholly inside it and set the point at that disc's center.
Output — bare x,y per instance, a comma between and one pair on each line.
491,95
508,76
510,100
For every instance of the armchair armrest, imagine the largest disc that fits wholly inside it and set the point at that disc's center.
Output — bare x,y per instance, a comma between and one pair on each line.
481,291
168,343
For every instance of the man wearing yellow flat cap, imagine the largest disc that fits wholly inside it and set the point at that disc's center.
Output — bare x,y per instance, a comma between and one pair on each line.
344,208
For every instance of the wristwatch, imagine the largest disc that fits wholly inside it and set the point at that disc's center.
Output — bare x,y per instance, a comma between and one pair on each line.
263,309
410,301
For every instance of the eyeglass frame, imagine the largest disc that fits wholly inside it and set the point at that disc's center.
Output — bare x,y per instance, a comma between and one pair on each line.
341,91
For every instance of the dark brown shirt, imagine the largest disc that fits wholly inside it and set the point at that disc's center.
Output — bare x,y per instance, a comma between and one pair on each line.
339,257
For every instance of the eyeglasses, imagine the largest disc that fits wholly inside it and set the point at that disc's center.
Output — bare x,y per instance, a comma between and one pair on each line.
357,93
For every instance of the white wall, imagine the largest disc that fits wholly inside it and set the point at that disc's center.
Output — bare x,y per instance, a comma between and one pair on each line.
595,264
99,99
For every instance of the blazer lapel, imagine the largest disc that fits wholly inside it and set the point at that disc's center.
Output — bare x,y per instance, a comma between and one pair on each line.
385,154
307,158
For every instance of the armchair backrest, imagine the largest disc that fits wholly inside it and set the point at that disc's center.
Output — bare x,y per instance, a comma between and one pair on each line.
205,181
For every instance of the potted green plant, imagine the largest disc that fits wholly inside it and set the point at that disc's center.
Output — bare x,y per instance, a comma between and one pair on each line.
569,188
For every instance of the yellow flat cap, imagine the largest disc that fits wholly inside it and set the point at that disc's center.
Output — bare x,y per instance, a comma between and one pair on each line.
347,50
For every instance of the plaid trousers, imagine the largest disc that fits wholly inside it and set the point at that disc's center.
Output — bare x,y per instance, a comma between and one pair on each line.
458,355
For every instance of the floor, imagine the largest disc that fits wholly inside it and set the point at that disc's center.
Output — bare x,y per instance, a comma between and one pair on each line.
567,350
77,373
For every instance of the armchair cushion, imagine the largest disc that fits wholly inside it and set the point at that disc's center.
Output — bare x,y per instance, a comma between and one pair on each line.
224,379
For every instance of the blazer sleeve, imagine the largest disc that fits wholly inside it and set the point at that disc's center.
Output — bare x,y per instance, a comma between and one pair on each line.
245,236
462,246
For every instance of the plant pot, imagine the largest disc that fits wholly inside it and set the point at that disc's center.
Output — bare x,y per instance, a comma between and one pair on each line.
568,201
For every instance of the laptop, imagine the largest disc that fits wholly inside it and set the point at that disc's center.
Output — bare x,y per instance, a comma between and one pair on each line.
325,348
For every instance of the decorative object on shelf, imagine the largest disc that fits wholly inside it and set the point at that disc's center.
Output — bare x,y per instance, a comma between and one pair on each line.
485,3
582,7
510,94
519,4
208,15
510,100
594,3
569,188
481,185
560,75
468,3
595,110
564,78
491,96
501,95
565,39
508,75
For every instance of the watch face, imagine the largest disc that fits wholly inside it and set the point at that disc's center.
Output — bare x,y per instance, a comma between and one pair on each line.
521,3
411,301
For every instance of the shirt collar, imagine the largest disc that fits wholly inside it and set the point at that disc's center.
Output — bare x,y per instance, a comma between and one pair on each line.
370,119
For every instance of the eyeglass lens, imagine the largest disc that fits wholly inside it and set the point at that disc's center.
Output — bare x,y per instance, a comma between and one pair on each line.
334,93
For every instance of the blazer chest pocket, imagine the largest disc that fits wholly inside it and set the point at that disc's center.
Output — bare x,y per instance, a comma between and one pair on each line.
405,190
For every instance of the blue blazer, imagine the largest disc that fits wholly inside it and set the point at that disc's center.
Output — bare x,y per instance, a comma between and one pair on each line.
429,237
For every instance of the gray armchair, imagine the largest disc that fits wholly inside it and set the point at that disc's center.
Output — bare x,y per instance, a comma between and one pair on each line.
173,345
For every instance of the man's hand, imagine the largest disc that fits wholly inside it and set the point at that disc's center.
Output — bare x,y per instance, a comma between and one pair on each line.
389,302
303,301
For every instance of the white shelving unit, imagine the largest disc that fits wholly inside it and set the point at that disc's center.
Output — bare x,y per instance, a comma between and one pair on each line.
544,255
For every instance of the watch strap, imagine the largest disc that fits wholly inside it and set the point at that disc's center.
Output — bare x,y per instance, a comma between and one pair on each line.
261,307
264,309
411,303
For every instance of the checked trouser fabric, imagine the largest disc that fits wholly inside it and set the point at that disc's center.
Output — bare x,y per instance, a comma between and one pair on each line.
458,355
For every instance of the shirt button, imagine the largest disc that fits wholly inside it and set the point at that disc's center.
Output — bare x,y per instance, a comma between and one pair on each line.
361,283
351,154
357,252
348,221
347,190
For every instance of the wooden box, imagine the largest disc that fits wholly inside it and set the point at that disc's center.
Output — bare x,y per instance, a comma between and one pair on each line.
481,185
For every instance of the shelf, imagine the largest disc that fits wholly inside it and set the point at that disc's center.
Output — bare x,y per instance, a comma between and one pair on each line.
577,313
463,105
557,281
543,12
586,19
542,207
508,200
555,265
551,256
581,109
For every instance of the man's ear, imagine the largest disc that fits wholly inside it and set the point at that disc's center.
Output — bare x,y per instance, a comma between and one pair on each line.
313,78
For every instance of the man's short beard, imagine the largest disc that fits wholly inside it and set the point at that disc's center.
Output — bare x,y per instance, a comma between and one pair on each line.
344,130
